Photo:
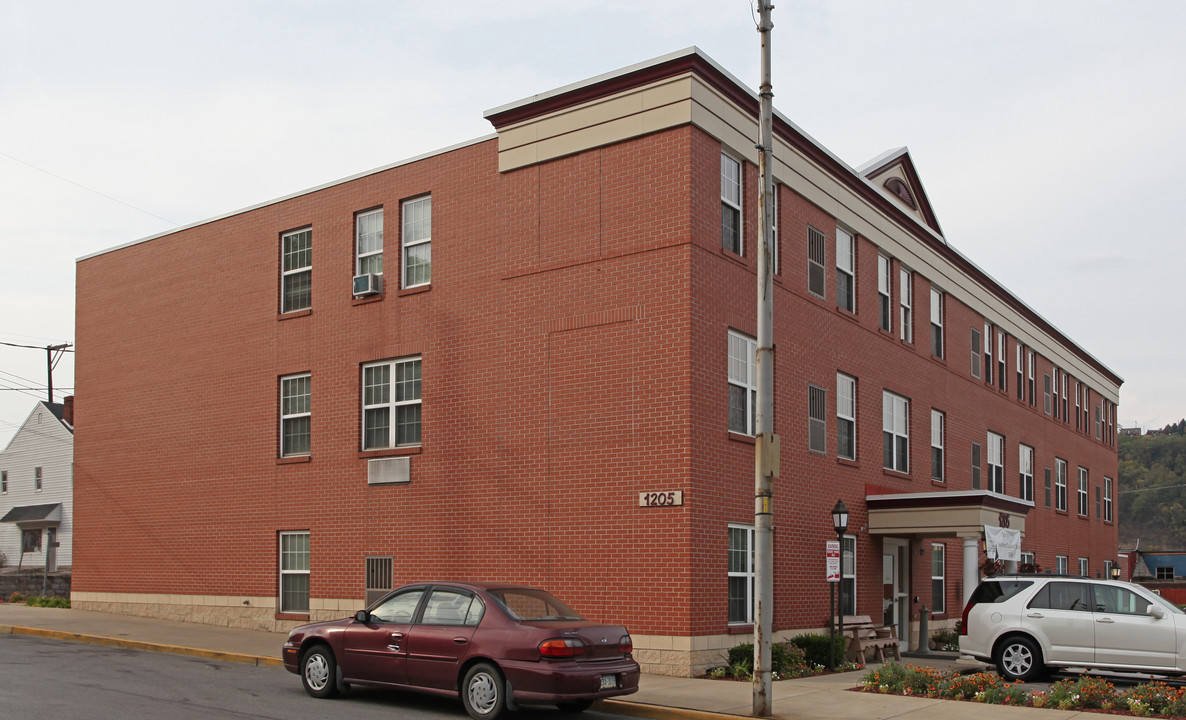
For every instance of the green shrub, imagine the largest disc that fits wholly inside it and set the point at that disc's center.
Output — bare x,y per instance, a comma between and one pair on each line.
946,639
1084,691
1154,698
817,648
16,597
49,602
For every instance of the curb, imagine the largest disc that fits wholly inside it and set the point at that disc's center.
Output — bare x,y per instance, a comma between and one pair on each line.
663,712
256,660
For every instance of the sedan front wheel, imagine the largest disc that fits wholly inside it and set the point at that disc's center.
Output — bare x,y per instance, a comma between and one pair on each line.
483,692
318,672
1019,658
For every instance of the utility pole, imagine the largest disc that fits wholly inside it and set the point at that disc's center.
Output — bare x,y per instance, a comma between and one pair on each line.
49,366
766,456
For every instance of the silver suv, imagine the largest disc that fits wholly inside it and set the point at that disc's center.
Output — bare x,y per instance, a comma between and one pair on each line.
1025,624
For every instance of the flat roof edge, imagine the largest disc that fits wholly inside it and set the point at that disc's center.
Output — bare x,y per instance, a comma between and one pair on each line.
290,196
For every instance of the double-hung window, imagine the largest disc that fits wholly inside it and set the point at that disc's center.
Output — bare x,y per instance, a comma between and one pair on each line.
391,404
1060,484
295,414
815,262
743,383
1084,495
1057,372
1046,393
730,204
774,210
1107,499
1066,400
1078,405
895,425
906,306
937,432
741,574
1025,463
37,479
294,572
368,242
1084,569
976,465
988,353
296,274
817,400
938,578
416,241
1020,371
1030,376
848,575
1002,381
3,482
846,417
885,312
996,463
845,271
936,323
1060,564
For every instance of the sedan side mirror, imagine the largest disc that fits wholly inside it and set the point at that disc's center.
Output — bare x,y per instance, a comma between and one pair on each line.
1156,611
362,616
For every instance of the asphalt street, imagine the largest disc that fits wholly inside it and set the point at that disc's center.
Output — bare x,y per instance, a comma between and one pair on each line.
55,679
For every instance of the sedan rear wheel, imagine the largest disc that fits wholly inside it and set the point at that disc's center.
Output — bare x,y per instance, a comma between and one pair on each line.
318,671
1019,658
483,692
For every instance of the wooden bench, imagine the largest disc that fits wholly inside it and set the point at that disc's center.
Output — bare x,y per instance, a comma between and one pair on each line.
863,635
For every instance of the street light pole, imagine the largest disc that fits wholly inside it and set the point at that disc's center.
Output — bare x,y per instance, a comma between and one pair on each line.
766,446
840,524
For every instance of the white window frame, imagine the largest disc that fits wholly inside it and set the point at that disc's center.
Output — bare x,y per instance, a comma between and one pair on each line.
848,574
1057,373
938,578
1078,405
1020,370
1030,363
368,242
1107,569
1002,361
393,403
416,237
846,415
746,573
296,406
1084,567
1060,564
1066,400
291,273
3,482
938,456
846,271
1046,393
906,305
937,343
1027,558
291,565
895,427
731,197
1025,472
1060,484
1084,495
1107,499
743,373
988,366
885,306
996,463
37,478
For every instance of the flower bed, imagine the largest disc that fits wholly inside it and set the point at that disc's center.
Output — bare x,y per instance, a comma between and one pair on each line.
1086,692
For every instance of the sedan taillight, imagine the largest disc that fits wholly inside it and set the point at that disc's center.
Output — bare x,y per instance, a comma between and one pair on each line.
625,645
562,648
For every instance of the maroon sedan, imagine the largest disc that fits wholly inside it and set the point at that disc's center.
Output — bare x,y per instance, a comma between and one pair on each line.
498,646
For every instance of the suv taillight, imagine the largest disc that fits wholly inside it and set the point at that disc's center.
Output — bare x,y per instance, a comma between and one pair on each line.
964,621
562,648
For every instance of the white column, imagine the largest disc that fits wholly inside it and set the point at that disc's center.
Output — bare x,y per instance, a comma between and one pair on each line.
971,566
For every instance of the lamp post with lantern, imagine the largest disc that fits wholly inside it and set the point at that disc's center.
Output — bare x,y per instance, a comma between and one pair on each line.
840,524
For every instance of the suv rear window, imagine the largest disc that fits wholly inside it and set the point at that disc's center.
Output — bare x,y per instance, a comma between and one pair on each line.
996,591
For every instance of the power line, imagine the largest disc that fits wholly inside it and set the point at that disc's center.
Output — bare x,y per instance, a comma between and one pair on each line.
1159,487
84,187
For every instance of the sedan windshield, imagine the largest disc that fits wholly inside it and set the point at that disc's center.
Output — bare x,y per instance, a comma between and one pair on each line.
531,604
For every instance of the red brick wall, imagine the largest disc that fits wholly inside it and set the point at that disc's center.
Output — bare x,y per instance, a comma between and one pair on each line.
574,355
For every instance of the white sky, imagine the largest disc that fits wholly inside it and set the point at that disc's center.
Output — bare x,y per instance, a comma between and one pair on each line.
1050,134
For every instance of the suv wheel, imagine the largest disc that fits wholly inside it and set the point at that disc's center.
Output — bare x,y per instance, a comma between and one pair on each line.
1019,658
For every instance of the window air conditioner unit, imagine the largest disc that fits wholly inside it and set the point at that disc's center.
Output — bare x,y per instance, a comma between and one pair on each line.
383,471
369,284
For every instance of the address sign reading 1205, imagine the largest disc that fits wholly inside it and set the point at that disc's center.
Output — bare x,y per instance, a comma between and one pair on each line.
667,498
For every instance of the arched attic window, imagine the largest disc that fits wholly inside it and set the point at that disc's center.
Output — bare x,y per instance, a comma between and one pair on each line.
898,187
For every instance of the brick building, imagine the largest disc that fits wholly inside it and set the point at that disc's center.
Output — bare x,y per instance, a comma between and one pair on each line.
551,382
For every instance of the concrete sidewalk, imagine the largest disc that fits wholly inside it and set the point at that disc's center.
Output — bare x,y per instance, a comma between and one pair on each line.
823,697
